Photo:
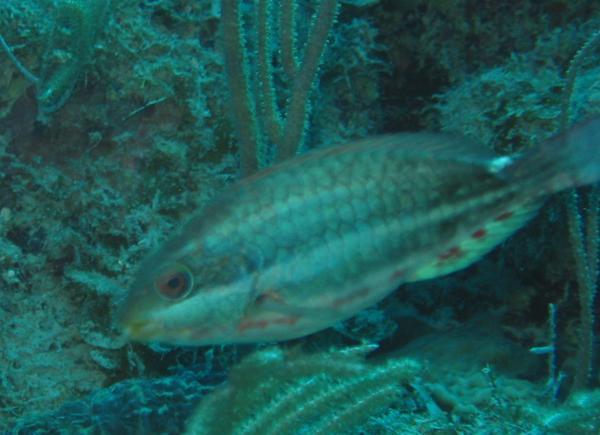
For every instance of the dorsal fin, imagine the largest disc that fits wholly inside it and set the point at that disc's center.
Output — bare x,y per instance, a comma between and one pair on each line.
437,145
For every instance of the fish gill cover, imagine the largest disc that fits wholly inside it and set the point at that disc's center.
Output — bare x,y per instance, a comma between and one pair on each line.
119,120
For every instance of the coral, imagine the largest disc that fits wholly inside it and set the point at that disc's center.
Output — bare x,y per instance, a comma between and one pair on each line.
258,120
584,238
580,415
274,391
130,407
145,139
75,29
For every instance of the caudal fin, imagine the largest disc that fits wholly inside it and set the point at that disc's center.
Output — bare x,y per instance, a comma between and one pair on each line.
566,160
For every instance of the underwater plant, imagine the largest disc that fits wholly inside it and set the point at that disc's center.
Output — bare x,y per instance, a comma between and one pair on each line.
275,391
583,224
85,197
76,27
259,121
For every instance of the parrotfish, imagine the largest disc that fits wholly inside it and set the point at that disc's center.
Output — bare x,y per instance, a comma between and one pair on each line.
313,240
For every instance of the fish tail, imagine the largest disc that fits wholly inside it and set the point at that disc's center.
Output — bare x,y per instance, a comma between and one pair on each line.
566,160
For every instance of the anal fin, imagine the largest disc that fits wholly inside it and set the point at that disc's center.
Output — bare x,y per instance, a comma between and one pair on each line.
479,242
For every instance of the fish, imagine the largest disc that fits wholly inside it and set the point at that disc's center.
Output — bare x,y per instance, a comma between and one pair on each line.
309,242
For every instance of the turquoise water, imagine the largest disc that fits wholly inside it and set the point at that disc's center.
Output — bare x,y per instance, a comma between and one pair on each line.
119,120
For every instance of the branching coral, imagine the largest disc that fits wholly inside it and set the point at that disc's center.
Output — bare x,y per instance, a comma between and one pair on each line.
70,46
275,391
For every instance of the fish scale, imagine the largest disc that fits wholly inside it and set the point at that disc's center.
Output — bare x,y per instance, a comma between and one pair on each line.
311,241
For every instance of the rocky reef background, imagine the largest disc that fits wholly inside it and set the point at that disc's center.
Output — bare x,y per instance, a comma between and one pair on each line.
127,131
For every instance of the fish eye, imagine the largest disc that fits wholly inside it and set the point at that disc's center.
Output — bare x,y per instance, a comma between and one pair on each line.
174,282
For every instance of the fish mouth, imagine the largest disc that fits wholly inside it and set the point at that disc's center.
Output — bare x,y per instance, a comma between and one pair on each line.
145,331
142,330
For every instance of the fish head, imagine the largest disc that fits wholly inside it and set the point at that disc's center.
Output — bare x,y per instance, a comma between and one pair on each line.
182,296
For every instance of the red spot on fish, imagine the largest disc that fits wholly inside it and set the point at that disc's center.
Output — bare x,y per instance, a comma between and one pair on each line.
263,324
396,275
504,216
269,295
452,253
200,333
252,324
286,321
359,294
479,234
